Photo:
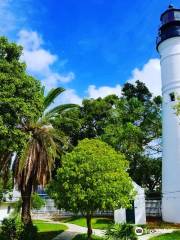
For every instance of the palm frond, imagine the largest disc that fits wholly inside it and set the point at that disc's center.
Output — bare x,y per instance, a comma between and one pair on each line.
60,109
52,95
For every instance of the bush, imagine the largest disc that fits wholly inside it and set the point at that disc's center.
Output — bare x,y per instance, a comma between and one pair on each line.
14,229
37,202
123,232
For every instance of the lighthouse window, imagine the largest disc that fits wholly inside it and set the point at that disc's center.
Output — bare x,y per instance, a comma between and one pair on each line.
172,97
177,15
168,17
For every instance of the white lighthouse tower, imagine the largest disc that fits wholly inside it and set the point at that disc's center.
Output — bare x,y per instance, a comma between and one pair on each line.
168,46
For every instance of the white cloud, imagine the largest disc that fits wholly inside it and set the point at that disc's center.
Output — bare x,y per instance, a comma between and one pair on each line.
150,74
54,79
40,60
70,96
29,39
94,92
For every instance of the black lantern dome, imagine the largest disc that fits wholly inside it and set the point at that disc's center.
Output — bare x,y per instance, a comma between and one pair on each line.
170,24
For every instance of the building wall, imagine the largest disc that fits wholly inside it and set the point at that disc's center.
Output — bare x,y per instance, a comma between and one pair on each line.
4,210
170,73
139,208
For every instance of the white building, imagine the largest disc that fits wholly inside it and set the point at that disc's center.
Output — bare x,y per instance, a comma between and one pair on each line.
168,46
7,206
137,214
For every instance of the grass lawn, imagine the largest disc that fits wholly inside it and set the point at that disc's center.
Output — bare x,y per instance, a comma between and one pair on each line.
168,236
84,237
47,230
97,223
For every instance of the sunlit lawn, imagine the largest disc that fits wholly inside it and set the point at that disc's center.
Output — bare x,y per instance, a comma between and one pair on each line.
97,223
168,236
47,230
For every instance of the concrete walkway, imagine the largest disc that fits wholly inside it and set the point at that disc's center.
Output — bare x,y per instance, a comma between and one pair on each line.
74,230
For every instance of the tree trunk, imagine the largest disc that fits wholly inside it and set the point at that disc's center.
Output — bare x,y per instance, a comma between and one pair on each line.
89,231
26,204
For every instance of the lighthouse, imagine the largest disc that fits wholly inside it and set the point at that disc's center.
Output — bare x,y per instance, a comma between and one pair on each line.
168,46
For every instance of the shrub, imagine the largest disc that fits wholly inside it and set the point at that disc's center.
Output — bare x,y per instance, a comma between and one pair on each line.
123,232
12,229
37,202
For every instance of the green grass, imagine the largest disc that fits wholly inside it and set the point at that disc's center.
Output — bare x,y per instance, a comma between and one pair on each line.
84,237
47,230
168,236
97,223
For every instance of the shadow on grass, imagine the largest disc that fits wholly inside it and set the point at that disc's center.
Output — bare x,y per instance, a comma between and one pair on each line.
48,235
104,221
69,219
84,237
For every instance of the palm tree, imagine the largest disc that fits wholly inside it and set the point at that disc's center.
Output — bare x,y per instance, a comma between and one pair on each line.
34,166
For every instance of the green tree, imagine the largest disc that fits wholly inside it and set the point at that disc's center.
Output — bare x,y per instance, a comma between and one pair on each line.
87,121
92,177
37,202
21,101
131,124
134,129
34,166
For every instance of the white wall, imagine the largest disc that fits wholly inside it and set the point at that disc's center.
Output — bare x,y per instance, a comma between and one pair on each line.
170,73
4,211
139,208
120,215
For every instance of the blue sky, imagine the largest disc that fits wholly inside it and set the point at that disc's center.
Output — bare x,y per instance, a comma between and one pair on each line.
91,47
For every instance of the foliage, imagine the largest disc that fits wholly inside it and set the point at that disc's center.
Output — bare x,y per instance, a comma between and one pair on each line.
34,166
21,101
12,229
90,173
131,124
124,232
87,121
37,202
134,129
46,230
92,177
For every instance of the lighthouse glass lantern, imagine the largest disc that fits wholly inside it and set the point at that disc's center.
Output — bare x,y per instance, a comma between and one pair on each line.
168,46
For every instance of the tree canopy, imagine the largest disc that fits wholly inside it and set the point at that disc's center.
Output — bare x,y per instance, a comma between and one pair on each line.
131,124
21,100
92,177
135,129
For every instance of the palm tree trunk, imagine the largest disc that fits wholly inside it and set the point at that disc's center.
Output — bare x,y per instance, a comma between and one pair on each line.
26,204
89,231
